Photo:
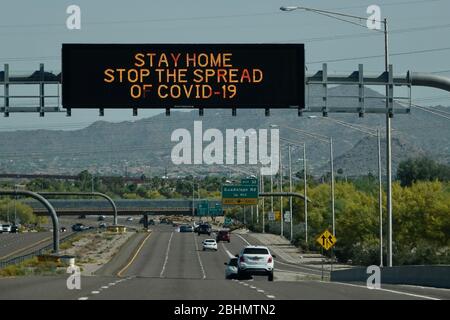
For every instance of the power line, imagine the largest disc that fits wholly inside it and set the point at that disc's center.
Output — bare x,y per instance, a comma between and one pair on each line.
382,55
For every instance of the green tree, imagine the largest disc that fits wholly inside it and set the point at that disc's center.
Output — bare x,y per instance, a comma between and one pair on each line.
422,169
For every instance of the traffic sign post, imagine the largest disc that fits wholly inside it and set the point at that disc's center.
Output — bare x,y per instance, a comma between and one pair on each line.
271,216
326,239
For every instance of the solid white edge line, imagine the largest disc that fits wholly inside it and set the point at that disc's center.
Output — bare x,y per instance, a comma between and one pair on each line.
387,290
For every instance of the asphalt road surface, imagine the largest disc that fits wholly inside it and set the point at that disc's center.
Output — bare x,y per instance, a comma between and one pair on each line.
171,265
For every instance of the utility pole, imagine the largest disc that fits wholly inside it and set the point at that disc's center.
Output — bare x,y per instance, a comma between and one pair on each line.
263,217
281,190
290,190
332,184
380,197
388,146
305,193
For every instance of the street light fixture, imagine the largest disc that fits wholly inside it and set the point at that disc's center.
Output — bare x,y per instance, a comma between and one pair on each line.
389,114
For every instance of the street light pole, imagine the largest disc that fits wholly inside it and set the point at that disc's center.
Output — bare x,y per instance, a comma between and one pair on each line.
380,197
332,184
290,190
281,190
388,147
305,193
263,209
193,199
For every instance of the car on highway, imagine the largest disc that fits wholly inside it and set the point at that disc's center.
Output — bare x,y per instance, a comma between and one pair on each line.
101,218
255,260
5,228
102,225
204,229
163,221
186,228
79,227
63,229
231,270
209,244
14,228
223,235
151,222
82,216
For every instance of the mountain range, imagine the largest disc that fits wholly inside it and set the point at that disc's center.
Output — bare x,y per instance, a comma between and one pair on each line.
144,146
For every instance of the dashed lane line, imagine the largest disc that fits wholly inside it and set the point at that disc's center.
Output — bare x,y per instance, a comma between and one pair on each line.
199,259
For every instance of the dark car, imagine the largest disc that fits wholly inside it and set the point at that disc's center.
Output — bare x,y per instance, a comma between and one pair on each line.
163,220
63,229
101,218
186,228
204,229
82,216
151,222
223,235
14,228
79,227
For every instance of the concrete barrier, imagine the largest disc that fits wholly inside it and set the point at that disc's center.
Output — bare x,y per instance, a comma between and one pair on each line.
428,276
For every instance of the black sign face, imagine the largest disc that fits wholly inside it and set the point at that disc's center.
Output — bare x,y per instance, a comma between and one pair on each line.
183,75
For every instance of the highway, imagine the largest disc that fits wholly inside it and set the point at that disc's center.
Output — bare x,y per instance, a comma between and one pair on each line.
171,265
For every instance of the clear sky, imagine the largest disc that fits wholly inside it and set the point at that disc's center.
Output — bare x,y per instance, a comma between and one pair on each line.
32,32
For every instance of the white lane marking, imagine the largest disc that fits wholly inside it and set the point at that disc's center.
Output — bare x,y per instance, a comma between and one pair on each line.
230,255
167,257
260,291
245,240
105,287
270,296
83,298
245,284
198,256
112,284
386,290
95,292
252,287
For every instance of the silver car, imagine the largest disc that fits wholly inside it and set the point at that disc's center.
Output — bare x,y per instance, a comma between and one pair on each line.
231,270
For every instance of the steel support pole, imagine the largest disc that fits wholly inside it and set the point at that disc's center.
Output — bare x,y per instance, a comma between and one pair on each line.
290,190
380,196
263,205
281,198
47,205
332,184
305,193
388,148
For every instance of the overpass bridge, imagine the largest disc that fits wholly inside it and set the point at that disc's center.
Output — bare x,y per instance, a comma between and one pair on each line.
75,207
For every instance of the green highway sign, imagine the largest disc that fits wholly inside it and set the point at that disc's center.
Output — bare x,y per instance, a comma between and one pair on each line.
228,221
203,208
216,210
249,182
240,194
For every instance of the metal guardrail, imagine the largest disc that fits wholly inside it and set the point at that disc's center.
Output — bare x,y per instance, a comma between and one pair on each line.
48,248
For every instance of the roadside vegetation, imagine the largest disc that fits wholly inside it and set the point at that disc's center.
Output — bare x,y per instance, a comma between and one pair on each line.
421,207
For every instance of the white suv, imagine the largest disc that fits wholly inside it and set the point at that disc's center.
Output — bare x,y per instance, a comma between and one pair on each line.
255,260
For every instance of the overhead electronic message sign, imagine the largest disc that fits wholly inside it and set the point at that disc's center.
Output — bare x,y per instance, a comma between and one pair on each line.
183,75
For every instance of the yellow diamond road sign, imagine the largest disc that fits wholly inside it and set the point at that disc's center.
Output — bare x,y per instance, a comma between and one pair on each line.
327,240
